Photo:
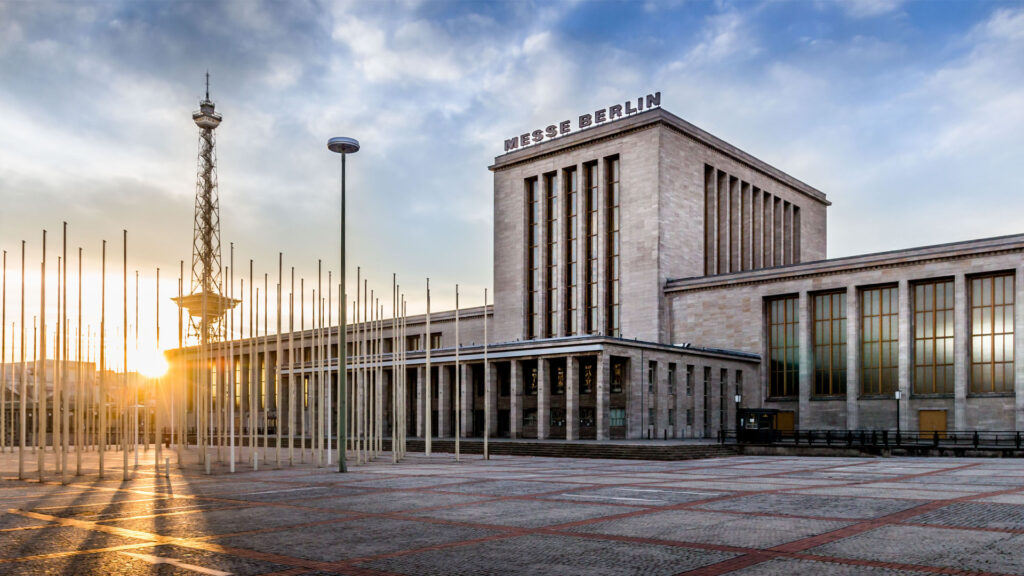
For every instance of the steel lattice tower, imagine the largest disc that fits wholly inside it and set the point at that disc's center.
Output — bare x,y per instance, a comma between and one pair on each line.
206,303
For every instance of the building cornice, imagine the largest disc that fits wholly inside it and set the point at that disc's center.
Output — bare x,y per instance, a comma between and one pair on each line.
643,121
877,261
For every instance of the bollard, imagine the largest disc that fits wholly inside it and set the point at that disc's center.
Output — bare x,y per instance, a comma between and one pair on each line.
666,433
255,461
167,467
207,464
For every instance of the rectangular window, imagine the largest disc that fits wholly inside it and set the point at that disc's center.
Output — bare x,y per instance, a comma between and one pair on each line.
529,417
435,341
652,375
992,300
531,381
587,418
689,379
880,340
829,344
558,381
590,248
671,417
557,418
689,416
618,375
739,382
412,343
551,270
532,258
587,381
933,337
650,417
783,346
613,227
617,417
671,378
571,251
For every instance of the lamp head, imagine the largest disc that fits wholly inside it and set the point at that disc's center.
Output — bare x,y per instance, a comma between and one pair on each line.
343,145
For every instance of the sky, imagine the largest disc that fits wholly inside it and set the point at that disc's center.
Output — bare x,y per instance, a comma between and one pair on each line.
908,115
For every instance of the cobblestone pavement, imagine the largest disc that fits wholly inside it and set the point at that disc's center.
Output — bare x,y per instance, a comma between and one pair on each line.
750,516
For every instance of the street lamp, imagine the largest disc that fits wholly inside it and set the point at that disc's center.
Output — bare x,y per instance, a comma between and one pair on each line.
344,146
897,395
738,398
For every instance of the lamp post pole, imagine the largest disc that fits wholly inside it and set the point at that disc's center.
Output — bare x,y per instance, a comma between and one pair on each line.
343,146
897,395
738,399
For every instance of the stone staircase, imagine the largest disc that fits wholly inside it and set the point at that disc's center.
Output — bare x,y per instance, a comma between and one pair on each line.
561,449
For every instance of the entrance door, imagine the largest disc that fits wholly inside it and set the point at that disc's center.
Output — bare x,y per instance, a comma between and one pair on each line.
785,421
931,421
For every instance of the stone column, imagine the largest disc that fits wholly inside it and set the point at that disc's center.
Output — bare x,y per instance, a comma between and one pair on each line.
637,398
906,344
543,399
679,431
1018,348
961,350
515,408
491,396
852,358
572,400
467,401
420,400
246,369
268,384
806,380
698,401
603,399
443,383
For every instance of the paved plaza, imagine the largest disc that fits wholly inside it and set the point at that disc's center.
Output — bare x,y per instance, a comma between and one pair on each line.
751,516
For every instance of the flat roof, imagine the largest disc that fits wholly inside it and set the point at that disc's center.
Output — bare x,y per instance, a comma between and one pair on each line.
887,259
654,116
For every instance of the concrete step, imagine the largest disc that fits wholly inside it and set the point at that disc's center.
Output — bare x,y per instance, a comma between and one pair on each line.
615,451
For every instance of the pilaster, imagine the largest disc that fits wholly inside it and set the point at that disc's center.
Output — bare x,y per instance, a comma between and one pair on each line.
961,350
543,399
603,398
515,399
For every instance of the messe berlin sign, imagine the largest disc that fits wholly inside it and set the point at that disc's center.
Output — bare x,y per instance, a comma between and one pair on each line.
584,121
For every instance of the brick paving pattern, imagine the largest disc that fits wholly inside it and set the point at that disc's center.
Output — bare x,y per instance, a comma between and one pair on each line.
750,516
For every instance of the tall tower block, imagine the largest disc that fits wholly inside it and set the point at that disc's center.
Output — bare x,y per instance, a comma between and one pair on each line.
205,302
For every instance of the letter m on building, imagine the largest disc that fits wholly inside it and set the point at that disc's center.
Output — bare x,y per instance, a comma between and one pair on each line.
512,144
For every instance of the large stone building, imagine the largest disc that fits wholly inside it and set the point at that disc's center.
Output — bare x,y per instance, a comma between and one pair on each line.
651,279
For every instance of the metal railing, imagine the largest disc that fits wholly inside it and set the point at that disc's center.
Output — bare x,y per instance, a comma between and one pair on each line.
982,439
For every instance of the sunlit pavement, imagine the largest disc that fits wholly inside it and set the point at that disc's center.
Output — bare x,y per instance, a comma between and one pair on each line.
518,515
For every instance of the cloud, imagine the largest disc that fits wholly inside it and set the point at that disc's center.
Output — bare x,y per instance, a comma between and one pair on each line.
861,9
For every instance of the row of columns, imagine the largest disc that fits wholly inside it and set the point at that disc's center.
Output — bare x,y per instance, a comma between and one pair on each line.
634,386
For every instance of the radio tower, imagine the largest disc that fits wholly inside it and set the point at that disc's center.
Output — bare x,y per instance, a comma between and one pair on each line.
205,302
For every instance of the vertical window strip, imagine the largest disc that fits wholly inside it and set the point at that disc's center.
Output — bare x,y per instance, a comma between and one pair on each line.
992,333
830,344
571,251
532,257
614,241
880,340
783,346
591,247
933,337
707,401
551,275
